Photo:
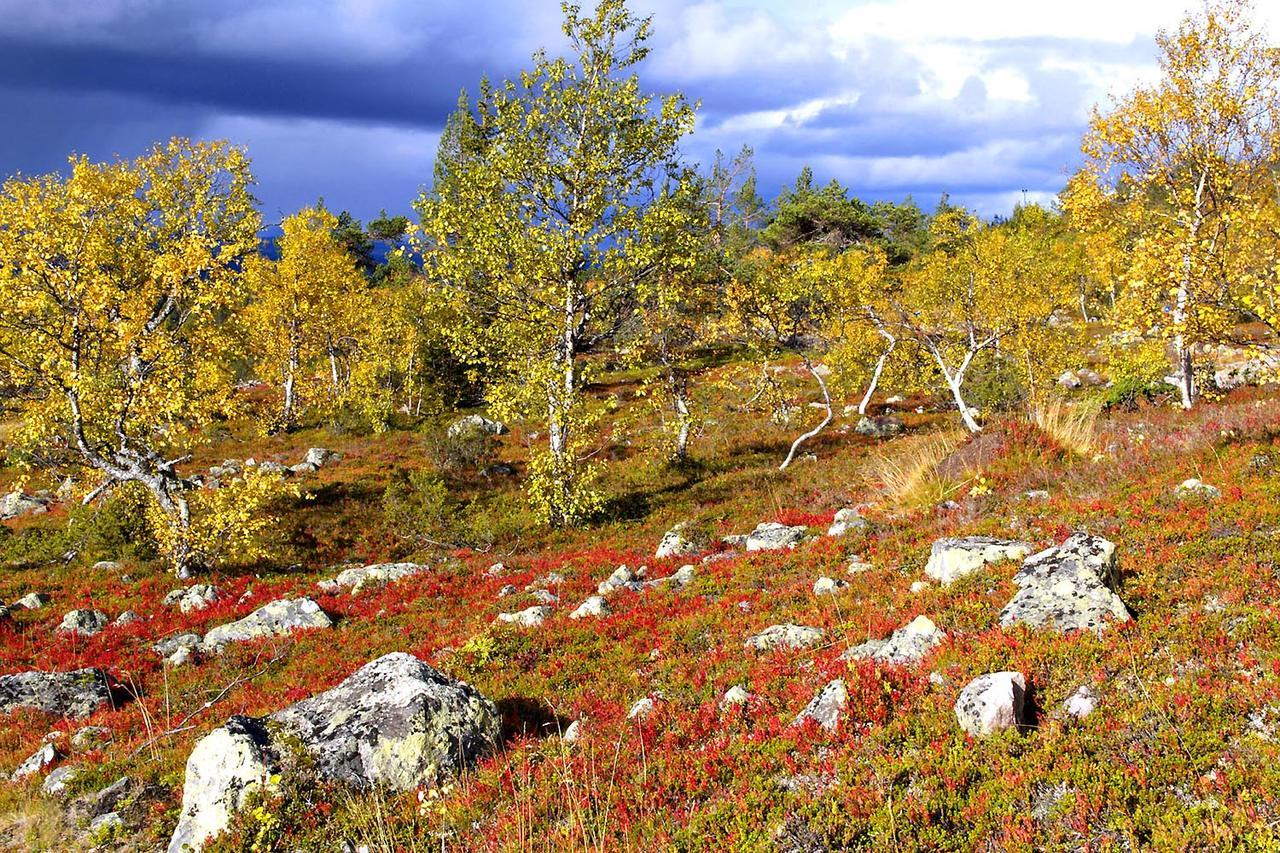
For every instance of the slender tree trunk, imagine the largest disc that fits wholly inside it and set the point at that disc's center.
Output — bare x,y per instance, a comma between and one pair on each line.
333,371
875,374
290,399
679,386
559,400
1183,359
955,383
826,399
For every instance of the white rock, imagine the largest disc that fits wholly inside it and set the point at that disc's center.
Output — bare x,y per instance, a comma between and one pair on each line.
595,606
736,695
573,733
40,760
828,586
1068,587
680,541
951,559
772,536
991,703
1082,703
278,617
622,578
530,617
643,708
1196,488
846,520
785,637
919,587
827,708
907,645
55,784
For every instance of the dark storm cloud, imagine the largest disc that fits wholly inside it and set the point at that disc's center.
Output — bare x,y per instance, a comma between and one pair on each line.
345,98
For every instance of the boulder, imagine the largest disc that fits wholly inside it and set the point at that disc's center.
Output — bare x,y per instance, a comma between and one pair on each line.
827,708
66,694
42,759
907,645
1068,587
882,426
681,541
530,617
32,601
83,623
846,520
278,617
319,457
785,637
56,783
395,724
593,607
772,536
18,503
991,703
378,574
226,766
1193,488
544,596
951,559
476,423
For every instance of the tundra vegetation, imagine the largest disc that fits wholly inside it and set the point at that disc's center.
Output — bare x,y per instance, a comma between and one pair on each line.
795,524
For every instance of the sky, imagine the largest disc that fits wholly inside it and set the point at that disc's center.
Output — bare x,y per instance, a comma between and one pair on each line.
345,99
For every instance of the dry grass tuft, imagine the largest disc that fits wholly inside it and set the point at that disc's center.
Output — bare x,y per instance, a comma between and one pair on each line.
31,823
911,478
1072,426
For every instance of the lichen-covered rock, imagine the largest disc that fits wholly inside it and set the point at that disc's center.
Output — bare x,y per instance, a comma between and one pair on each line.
83,623
847,520
991,703
530,617
395,724
379,574
67,694
278,617
224,769
785,637
593,607
193,598
951,559
1082,703
127,618
475,424
681,541
167,646
1068,587
907,645
56,783
772,536
883,426
40,760
827,707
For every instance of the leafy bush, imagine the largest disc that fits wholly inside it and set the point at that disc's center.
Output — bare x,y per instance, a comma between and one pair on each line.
469,449
994,384
1138,368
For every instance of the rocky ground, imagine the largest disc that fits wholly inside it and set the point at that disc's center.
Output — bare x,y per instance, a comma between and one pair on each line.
1060,652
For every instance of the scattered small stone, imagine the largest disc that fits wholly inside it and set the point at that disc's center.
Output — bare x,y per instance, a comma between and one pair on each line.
127,618
573,733
1194,488
544,596
681,541
991,703
106,566
644,707
1081,703
18,503
83,623
530,617
359,578
735,695
476,424
858,566
89,737
952,559
319,457
829,586
883,426
919,587
827,707
105,825
622,578
56,783
167,646
846,520
495,570
509,589
278,617
785,637
596,606
181,657
1036,495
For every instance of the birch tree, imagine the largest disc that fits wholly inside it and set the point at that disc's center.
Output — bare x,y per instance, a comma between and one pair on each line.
553,200
1183,171
115,279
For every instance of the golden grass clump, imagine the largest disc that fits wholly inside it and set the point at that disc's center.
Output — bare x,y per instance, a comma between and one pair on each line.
1073,426
911,476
